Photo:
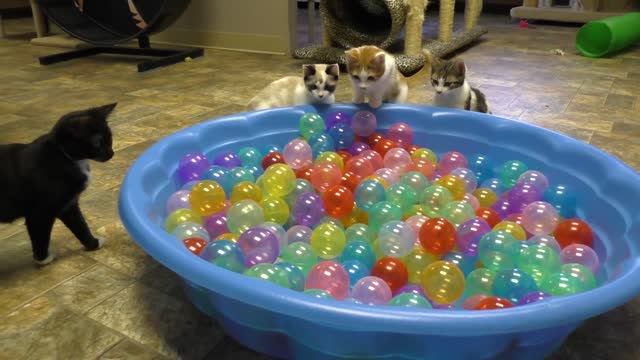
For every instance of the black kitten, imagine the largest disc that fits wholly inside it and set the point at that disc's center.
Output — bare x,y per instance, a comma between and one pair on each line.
43,180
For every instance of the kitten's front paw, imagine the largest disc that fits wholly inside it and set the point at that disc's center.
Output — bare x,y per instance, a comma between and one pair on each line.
358,99
46,260
96,244
375,103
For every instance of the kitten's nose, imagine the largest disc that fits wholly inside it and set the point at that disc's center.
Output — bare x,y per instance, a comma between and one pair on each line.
439,91
320,96
363,86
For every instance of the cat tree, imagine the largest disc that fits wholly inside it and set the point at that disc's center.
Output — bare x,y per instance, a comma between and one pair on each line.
352,23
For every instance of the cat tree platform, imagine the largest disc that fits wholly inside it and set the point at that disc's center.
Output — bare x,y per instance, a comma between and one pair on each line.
559,14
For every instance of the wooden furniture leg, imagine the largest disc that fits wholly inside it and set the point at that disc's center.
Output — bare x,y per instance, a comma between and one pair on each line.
39,20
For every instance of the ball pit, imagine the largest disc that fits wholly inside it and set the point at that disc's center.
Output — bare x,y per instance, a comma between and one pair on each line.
271,317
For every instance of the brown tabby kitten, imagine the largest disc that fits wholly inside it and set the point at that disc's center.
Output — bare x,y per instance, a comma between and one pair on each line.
448,78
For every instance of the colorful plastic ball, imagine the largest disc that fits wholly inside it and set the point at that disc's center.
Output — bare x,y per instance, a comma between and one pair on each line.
364,123
396,238
547,240
259,245
356,271
454,184
275,210
245,190
385,145
411,148
178,200
469,178
320,143
469,234
538,260
401,133
195,245
250,156
301,186
279,231
390,176
342,135
376,159
532,297
493,184
329,276
332,221
358,147
486,197
300,254
410,300
415,180
479,281
493,303
383,212
472,200
271,158
360,251
472,301
416,262
297,153
503,207
216,225
331,157
465,263
299,233
412,289
457,212
216,173
517,219
481,166
235,176
434,198
226,254
294,274
561,283
539,218
207,197
308,209
425,167
438,236
227,159
181,216
443,282
317,293
344,155
512,228
398,159
243,215
580,254
191,167
573,231
535,178
338,201
337,117
582,273
416,222
254,170
269,148
523,194
489,215
401,195
371,290
227,236
450,161
511,172
311,124
325,175
359,167
279,180
328,241
563,199
359,231
189,186
269,272
392,271
496,250
426,154
512,284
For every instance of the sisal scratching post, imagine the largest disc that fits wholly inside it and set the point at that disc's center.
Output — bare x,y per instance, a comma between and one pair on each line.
447,8
530,3
472,11
413,26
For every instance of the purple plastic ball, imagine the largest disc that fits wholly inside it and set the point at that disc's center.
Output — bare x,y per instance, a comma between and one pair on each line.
259,245
308,209
469,234
191,167
337,117
371,290
364,123
358,147
299,233
216,225
503,207
533,297
523,194
227,159
178,200
413,289
536,178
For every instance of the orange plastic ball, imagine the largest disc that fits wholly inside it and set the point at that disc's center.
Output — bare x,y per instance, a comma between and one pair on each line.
384,145
305,172
373,139
489,215
437,236
573,231
493,303
392,271
338,201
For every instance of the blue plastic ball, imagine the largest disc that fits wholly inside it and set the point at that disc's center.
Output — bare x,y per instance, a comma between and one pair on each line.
295,275
342,136
563,199
356,271
513,284
359,250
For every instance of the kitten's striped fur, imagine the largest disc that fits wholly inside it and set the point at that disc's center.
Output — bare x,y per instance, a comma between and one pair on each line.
316,86
448,78
374,75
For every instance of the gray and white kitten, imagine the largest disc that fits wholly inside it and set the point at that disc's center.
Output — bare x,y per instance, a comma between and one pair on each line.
316,86
448,78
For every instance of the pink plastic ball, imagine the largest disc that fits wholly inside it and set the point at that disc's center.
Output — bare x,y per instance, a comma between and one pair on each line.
360,166
401,133
325,175
580,254
536,178
539,218
416,222
371,290
297,153
329,276
450,161
364,123
389,175
374,157
398,159
472,200
178,200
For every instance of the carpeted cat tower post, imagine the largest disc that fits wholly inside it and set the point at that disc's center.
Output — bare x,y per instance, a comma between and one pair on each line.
352,23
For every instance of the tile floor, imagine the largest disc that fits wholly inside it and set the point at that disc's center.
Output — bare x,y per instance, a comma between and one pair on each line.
118,303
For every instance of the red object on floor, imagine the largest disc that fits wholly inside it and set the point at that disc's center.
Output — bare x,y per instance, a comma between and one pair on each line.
524,24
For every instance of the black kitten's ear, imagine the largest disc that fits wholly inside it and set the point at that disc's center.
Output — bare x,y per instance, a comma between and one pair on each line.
106,110
458,64
333,69
308,70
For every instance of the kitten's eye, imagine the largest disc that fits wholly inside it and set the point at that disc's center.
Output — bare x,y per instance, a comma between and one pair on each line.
434,82
313,87
355,77
447,83
371,78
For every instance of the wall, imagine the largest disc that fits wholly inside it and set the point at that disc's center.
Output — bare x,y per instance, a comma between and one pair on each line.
248,25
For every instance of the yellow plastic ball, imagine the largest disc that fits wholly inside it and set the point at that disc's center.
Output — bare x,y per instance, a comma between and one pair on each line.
275,210
424,153
246,190
279,180
328,241
227,236
181,216
512,228
357,215
455,186
207,197
382,181
417,209
332,157
442,282
416,262
486,197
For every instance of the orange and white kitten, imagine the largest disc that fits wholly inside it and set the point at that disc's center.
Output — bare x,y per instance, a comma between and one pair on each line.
374,76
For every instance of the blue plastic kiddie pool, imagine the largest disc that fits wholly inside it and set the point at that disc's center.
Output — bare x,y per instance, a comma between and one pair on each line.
289,324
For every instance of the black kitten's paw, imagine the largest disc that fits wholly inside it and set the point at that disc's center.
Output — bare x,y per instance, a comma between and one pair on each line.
46,260
95,245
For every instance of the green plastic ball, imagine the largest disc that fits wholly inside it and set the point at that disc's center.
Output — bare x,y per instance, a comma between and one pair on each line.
311,124
402,195
410,300
300,254
434,198
383,212
511,171
360,231
458,212
269,272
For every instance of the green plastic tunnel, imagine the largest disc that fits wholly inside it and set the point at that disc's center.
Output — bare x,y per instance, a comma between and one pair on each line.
602,37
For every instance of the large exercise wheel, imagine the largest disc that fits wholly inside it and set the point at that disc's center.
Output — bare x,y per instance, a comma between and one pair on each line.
108,23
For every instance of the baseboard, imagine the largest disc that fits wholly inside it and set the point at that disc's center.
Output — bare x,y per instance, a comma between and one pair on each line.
270,44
